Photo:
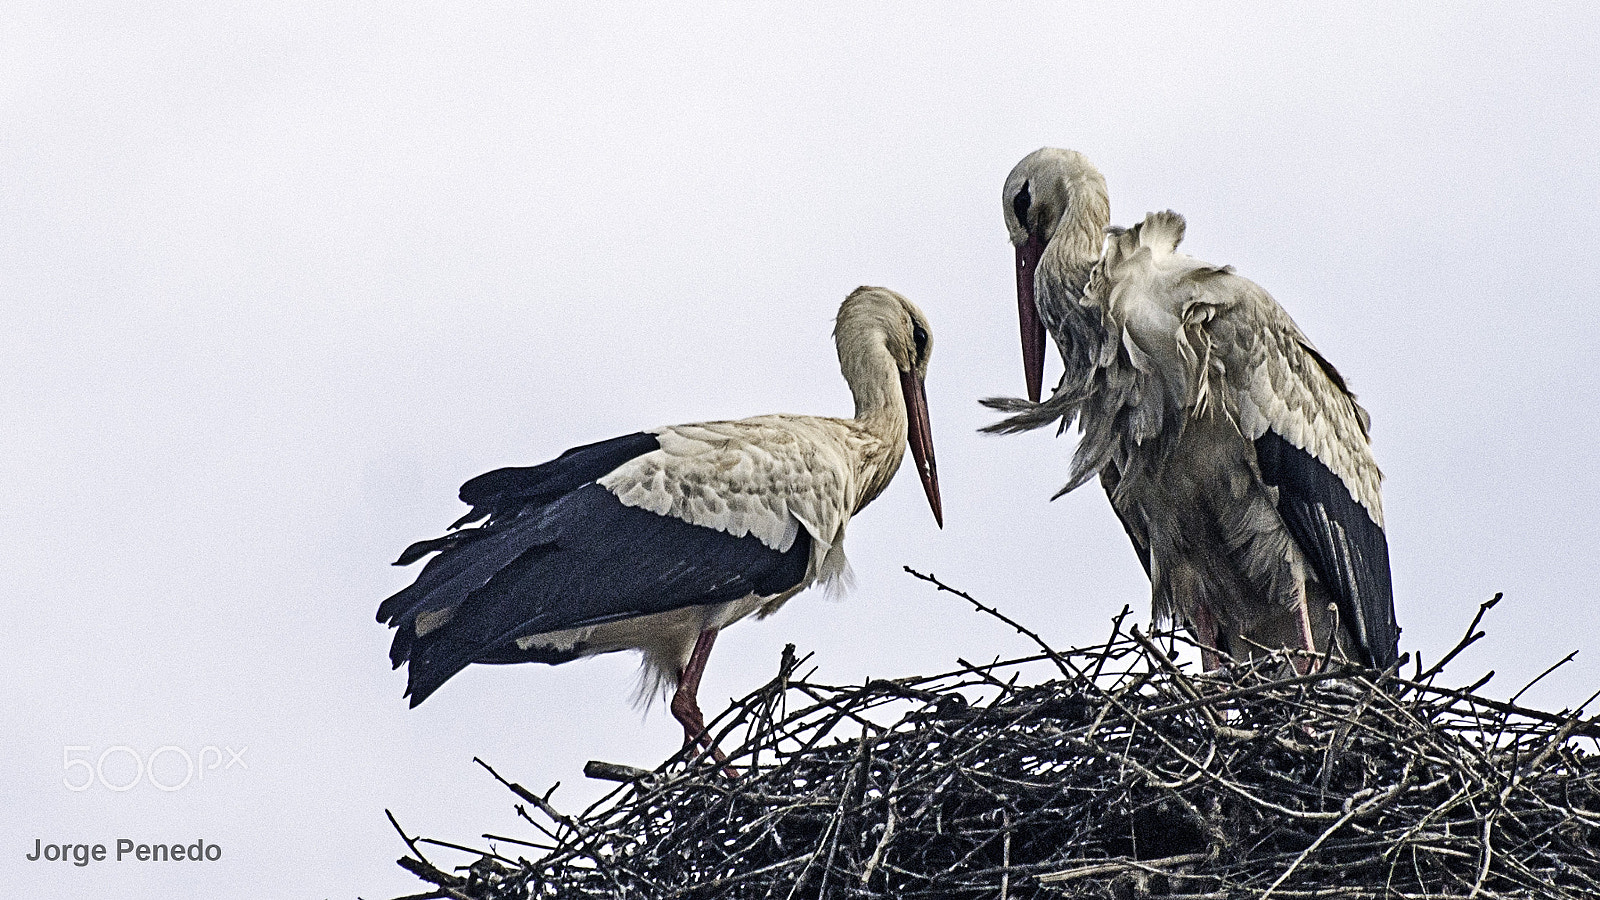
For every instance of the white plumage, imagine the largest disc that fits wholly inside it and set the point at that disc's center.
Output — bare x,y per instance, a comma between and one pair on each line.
1235,455
768,476
657,540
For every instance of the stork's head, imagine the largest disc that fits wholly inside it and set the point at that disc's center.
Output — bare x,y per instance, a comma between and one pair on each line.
884,338
1052,197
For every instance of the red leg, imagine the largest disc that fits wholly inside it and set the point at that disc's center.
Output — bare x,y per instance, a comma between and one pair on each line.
1205,633
1306,664
685,706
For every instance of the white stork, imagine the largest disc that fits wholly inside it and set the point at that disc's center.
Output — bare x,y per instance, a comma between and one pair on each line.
1235,455
657,540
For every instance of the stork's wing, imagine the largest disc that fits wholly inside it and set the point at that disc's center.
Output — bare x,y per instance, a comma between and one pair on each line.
1138,530
1346,548
501,496
765,475
559,551
581,560
1311,444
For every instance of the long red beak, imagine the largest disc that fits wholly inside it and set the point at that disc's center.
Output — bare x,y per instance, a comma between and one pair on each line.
920,437
1028,313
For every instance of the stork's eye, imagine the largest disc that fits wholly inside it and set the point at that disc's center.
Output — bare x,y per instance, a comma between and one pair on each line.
921,338
1020,204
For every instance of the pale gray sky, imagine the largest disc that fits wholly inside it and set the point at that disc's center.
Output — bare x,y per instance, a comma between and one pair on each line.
276,278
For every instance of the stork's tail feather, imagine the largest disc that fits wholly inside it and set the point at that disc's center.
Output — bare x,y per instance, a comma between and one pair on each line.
423,680
422,548
1027,415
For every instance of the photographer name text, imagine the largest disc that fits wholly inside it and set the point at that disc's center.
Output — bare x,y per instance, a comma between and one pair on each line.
125,851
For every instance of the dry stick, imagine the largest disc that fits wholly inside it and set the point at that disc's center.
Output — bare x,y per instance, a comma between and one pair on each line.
729,880
775,694
1555,744
431,895
579,831
1516,778
1252,690
447,883
1186,685
1563,661
839,713
1110,866
769,697
1488,853
1023,630
1589,728
831,836
1166,663
1005,856
542,804
410,844
1341,738
1116,630
1135,717
1151,778
983,674
1471,637
511,840
600,770
449,846
1318,659
776,687
883,841
1376,803
850,793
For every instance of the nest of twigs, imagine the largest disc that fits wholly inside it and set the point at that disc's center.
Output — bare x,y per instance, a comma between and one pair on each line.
1107,771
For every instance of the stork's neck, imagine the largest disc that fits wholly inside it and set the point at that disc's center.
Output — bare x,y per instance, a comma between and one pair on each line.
1063,274
1075,243
874,381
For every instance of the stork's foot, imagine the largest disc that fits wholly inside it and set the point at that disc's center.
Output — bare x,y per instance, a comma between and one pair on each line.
687,712
686,706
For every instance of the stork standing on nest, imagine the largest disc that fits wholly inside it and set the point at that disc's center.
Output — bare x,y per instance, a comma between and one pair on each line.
656,541
1235,455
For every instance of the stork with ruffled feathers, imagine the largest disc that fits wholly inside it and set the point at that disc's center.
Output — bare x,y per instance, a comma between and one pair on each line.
658,540
1233,452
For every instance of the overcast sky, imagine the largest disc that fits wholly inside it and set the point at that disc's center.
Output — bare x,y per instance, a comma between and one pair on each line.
276,278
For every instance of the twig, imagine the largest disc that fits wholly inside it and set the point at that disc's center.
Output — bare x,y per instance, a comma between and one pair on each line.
1471,637
992,611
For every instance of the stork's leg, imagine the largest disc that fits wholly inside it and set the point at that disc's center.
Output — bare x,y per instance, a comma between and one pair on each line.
685,706
1304,665
1205,633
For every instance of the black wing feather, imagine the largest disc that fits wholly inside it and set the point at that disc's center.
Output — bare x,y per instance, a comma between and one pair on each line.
509,489
1138,532
502,495
559,552
1346,548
